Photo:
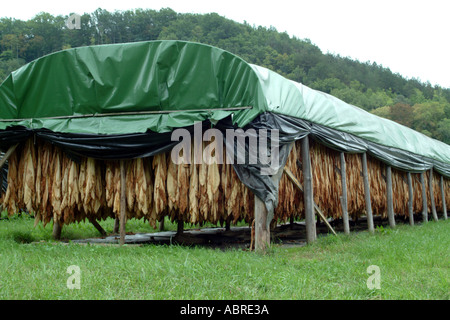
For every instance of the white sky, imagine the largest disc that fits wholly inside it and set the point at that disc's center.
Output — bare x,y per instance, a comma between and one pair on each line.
410,37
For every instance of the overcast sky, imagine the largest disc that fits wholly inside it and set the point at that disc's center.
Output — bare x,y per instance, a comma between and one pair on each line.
410,37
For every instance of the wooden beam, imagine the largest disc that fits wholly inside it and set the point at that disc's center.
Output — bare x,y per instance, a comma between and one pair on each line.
424,198
367,194
98,227
389,196
8,153
433,205
316,207
444,204
123,203
410,200
308,196
261,227
343,198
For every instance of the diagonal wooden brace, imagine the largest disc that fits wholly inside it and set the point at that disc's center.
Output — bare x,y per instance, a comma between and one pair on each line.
299,186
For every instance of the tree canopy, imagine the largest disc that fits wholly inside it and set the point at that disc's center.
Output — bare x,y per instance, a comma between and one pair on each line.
371,86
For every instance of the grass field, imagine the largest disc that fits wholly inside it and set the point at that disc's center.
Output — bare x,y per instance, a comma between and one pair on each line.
413,263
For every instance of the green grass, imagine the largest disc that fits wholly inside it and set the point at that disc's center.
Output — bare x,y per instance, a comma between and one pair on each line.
414,264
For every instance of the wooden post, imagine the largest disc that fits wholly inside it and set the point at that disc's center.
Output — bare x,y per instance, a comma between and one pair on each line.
444,205
410,201
424,198
433,206
123,203
344,202
228,225
56,230
390,200
367,194
308,196
116,225
262,228
161,224
261,221
180,227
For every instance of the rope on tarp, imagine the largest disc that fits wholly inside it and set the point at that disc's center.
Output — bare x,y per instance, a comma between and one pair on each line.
115,114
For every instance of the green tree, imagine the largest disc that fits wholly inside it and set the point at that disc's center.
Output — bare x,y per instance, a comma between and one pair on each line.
443,130
402,113
426,116
384,112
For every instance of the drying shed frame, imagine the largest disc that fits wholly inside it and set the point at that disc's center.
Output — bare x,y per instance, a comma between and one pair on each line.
123,101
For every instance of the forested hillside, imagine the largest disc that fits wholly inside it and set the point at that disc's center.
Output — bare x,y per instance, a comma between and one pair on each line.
421,106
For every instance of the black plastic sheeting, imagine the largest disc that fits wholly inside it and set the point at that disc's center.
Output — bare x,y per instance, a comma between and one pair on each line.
104,147
264,186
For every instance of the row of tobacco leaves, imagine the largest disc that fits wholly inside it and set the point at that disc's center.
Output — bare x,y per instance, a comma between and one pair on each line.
45,181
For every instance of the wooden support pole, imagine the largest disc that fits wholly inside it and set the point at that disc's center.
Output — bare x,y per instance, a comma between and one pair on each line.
161,224
444,205
116,225
433,205
228,225
123,204
262,228
389,195
7,155
261,224
410,200
367,194
180,227
316,207
424,198
56,230
344,202
308,196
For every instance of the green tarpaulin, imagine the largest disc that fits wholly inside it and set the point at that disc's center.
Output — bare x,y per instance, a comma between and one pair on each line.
73,91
